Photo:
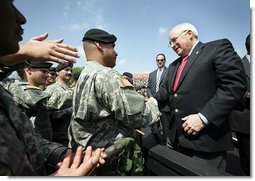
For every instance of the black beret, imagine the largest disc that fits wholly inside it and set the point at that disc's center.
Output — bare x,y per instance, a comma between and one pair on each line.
99,35
62,66
38,64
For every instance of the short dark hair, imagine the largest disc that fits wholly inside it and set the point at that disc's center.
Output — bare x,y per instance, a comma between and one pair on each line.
128,74
162,55
247,44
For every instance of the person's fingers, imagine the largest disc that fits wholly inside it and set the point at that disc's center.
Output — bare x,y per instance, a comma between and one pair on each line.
67,159
69,50
77,158
96,156
88,154
61,40
184,125
186,128
61,58
40,37
58,60
89,162
190,131
101,161
185,118
103,155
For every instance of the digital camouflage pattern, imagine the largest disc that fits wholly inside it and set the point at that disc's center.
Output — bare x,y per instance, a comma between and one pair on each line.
60,108
61,96
23,152
33,100
127,157
106,109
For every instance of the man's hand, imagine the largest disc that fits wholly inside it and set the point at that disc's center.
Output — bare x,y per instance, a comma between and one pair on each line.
76,166
192,124
54,50
152,100
40,49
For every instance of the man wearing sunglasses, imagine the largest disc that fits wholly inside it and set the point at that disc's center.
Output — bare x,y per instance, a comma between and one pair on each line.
156,79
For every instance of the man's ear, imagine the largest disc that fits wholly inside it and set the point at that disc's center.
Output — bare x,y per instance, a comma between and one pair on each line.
98,45
27,70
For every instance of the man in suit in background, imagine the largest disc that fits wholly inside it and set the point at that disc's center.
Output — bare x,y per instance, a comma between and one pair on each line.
156,79
203,86
240,120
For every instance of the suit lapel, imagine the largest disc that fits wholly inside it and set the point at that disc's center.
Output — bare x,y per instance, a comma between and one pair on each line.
163,75
195,53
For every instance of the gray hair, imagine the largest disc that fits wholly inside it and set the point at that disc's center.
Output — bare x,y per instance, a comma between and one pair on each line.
186,26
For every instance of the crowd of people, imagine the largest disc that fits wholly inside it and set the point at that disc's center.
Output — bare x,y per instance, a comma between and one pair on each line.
96,126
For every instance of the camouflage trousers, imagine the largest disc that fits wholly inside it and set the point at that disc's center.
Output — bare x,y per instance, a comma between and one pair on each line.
125,158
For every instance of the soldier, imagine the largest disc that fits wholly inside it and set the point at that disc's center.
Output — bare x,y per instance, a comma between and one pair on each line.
52,76
22,150
60,103
31,97
75,79
106,108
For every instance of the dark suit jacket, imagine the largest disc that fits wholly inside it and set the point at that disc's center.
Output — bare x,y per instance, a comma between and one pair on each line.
240,120
212,83
151,87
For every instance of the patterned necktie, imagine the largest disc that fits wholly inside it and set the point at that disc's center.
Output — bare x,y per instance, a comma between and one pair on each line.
179,72
158,78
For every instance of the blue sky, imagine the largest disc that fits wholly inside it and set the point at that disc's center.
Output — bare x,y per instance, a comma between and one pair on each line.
141,26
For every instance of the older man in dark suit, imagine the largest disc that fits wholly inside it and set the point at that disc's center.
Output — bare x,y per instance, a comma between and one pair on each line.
204,86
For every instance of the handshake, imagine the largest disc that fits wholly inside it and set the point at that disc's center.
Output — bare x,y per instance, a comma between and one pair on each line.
151,100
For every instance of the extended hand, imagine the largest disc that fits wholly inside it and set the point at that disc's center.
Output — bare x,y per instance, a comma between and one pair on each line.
49,50
77,166
152,100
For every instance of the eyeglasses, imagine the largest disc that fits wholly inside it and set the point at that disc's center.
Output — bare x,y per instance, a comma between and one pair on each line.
160,60
173,40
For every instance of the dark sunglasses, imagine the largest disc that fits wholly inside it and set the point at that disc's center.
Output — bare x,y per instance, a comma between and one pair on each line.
160,60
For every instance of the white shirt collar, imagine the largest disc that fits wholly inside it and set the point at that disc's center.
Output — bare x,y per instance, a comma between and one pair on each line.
161,69
248,57
191,50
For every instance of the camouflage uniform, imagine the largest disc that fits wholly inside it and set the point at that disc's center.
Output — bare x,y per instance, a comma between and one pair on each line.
23,152
106,108
33,100
60,108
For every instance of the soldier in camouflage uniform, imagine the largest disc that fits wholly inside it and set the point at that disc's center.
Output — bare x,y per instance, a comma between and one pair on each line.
27,93
22,150
107,109
60,103
51,79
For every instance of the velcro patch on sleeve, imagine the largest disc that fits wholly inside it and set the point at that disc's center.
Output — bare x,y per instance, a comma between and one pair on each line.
125,82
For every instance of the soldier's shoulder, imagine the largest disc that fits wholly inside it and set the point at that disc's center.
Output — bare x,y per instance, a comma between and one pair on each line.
125,83
31,87
109,75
